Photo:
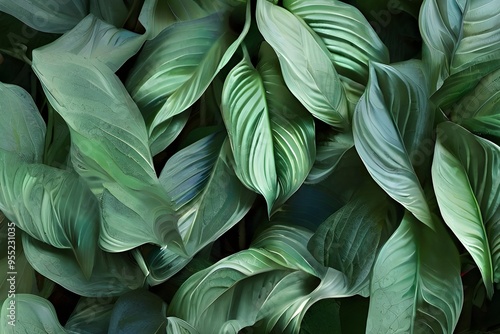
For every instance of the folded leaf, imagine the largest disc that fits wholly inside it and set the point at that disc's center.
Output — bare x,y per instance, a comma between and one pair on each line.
47,16
412,289
53,206
307,69
392,125
113,274
208,196
271,135
466,179
109,150
32,314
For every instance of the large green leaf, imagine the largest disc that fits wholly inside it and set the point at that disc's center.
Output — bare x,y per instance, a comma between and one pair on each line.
412,289
93,38
466,179
22,127
351,41
307,68
32,314
271,285
47,16
350,239
52,205
271,135
207,194
477,111
109,150
392,126
112,275
458,36
168,79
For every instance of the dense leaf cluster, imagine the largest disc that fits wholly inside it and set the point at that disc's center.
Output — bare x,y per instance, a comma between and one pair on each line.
232,166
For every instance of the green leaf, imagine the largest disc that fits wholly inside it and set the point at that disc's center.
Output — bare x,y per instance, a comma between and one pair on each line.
307,69
350,239
109,150
412,289
42,201
22,128
271,135
32,314
457,38
167,79
114,12
112,275
138,311
466,179
90,316
47,16
161,263
179,326
93,38
351,41
477,111
206,193
392,126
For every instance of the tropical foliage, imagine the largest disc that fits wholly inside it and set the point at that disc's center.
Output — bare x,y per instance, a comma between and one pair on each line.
249,166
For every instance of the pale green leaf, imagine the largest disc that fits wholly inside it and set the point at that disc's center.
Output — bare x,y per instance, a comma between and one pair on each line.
412,289
93,38
271,135
109,150
466,179
307,69
22,128
113,274
32,314
47,16
208,196
392,125
179,326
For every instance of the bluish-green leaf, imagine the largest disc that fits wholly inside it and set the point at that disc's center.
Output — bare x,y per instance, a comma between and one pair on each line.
466,179
392,128
90,316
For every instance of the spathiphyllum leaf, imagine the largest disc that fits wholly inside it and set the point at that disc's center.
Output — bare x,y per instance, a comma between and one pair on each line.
208,196
258,287
412,289
477,111
47,16
271,135
392,126
112,275
348,36
22,128
349,239
33,314
305,63
168,79
466,179
458,36
109,150
93,38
